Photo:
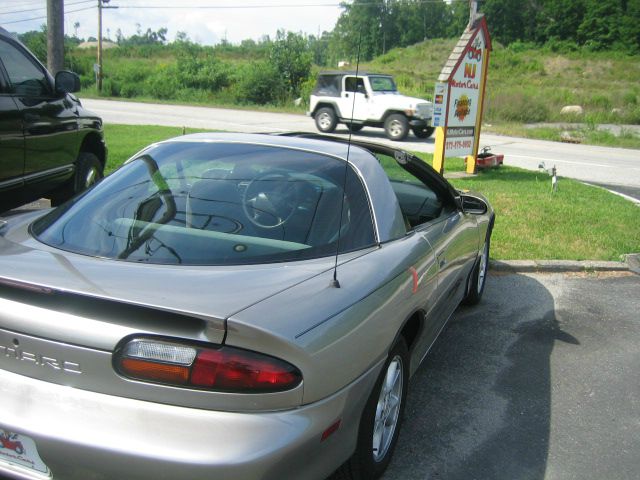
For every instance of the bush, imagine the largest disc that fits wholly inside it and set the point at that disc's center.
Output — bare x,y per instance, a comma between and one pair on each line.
600,101
515,107
632,116
164,85
560,46
290,56
206,73
260,83
110,88
306,89
630,98
519,46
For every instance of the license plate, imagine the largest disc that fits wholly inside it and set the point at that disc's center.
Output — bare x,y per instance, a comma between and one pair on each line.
20,451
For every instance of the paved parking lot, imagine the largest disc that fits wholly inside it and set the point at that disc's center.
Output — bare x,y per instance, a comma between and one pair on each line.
540,381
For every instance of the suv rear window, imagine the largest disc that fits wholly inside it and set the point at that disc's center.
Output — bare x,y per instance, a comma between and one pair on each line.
328,86
217,203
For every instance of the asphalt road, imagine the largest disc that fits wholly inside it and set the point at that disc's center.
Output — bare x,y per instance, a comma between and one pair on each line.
615,167
540,381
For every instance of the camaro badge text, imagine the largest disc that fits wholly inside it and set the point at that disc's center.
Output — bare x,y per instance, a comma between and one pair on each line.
40,360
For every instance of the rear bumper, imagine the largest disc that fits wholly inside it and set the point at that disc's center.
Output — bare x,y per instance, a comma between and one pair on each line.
81,435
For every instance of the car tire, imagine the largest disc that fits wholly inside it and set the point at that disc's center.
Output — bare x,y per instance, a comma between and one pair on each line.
354,127
478,278
396,127
88,171
326,120
381,419
423,132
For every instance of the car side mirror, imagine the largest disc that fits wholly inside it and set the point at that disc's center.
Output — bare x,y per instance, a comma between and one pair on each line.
67,82
473,205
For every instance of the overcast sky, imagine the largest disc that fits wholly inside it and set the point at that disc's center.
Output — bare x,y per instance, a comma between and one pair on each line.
205,21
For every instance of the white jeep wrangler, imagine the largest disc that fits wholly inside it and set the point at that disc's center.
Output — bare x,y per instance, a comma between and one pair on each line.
368,99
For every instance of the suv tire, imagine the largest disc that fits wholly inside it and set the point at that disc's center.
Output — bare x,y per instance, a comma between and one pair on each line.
396,127
88,171
326,119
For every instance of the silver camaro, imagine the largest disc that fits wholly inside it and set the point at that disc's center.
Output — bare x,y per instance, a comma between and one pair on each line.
230,306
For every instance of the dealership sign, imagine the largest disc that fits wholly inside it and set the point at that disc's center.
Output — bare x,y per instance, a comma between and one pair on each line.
459,94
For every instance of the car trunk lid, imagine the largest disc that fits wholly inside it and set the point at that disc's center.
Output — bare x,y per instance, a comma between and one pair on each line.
63,315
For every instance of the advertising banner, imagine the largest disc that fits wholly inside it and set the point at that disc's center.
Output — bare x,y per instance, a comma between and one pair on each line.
440,98
458,97
464,100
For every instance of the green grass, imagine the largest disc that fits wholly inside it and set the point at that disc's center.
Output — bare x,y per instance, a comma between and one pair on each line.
578,222
587,135
123,141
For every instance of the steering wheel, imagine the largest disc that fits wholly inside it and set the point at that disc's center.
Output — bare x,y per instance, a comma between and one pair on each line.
270,199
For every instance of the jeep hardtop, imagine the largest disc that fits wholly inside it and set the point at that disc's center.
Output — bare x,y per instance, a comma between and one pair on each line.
360,99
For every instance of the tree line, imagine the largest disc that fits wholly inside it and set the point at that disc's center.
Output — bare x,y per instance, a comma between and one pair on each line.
372,27
275,71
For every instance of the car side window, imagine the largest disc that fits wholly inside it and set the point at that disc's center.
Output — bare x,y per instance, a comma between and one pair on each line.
353,84
420,203
26,77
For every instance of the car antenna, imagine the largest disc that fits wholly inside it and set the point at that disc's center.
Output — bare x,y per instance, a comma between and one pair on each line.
335,283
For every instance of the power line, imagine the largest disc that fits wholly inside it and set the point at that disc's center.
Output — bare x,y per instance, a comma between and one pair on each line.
211,7
42,17
44,7
25,3
228,7
265,6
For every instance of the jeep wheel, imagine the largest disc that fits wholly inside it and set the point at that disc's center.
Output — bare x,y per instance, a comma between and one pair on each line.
326,120
423,132
396,127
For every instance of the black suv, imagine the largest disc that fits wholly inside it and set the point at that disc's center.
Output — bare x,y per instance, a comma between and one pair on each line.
49,145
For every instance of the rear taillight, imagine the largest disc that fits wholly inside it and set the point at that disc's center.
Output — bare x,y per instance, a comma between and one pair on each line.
220,368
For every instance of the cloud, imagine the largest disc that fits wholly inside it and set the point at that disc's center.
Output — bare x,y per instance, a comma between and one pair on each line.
205,25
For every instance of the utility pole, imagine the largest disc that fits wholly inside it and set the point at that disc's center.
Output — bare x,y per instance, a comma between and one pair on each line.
98,68
55,35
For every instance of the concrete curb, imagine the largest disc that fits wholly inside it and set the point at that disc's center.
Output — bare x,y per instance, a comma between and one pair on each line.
633,261
563,266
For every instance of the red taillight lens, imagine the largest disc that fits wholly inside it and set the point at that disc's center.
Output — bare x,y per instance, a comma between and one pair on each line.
224,368
233,369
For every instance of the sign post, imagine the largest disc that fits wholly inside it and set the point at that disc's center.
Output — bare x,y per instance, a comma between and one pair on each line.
459,97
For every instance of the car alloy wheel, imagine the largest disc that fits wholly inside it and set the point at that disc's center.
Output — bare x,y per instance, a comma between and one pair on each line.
482,268
381,419
388,409
396,127
326,120
478,277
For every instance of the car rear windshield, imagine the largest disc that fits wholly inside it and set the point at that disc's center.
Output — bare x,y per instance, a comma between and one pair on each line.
212,203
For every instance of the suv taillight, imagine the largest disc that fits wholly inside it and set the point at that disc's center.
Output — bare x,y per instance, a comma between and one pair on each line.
219,368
